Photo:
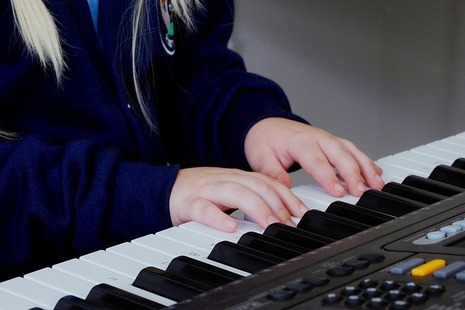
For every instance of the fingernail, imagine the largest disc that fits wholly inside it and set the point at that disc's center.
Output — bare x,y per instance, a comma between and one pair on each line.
231,224
291,223
272,220
379,179
339,188
303,209
361,187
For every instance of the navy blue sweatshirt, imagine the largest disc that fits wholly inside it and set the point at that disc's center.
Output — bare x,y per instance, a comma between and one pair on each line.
87,171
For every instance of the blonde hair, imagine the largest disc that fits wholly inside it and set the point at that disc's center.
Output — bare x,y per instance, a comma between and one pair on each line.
40,34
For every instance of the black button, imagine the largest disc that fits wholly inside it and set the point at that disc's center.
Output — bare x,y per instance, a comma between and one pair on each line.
411,287
418,298
357,264
300,287
372,292
316,280
350,290
400,305
389,285
372,257
435,290
332,299
340,271
395,295
376,303
281,294
354,301
365,283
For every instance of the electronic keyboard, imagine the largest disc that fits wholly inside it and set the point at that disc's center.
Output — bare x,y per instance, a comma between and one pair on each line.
399,248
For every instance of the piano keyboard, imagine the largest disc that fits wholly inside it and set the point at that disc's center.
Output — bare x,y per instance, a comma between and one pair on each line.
196,266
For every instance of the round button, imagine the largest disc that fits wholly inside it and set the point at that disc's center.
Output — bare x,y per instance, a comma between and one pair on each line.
357,264
400,305
389,285
460,223
451,229
372,257
280,294
411,287
372,292
365,283
435,290
376,303
354,301
435,235
340,271
332,299
350,290
418,298
395,295
316,280
299,287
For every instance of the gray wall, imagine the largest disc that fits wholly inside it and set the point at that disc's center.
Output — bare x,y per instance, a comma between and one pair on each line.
388,75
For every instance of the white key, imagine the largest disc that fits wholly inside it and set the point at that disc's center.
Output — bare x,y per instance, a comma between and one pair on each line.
410,167
320,196
114,262
461,135
37,294
311,202
211,232
428,161
449,147
409,163
199,241
386,177
60,281
154,258
455,140
248,226
169,247
9,302
97,275
141,254
395,171
443,155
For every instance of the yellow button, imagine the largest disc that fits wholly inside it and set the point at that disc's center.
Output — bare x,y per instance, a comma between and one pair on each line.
428,267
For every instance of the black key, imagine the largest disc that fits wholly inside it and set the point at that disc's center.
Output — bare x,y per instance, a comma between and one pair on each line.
413,193
168,285
433,186
459,163
107,296
326,224
242,257
358,213
270,245
449,175
70,302
299,237
388,203
201,272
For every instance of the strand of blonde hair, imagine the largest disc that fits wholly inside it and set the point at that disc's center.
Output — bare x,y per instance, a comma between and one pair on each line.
40,34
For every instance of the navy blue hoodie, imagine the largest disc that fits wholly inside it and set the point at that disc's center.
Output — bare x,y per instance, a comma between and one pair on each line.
87,171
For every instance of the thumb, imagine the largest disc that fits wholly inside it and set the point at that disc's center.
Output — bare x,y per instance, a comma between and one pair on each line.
269,165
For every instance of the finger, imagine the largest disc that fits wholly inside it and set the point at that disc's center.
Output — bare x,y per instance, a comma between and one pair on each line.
277,196
238,196
269,165
370,171
205,212
316,164
348,169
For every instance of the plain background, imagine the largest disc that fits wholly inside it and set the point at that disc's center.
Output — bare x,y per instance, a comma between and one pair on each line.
388,75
